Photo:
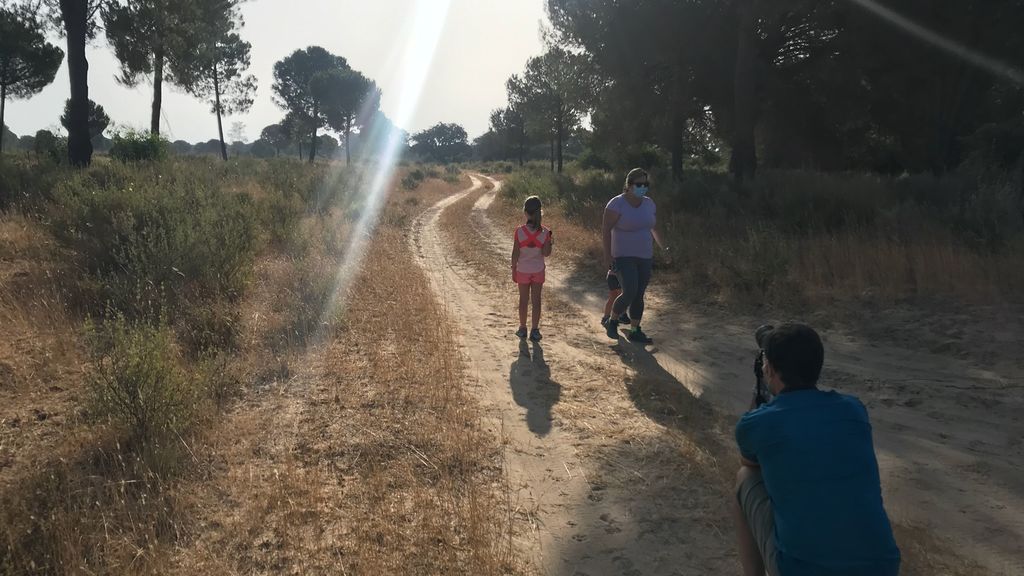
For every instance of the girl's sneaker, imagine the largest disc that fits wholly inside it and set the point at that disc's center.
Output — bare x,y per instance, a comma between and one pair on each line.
535,335
521,332
611,328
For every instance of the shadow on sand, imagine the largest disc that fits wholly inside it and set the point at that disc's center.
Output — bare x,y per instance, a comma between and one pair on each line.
532,387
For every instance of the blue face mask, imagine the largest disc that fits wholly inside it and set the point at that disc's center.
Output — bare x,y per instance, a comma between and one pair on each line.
640,191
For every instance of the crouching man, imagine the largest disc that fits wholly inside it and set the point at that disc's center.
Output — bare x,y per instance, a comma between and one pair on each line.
808,495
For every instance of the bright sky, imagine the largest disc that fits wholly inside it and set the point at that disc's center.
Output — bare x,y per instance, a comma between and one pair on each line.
483,43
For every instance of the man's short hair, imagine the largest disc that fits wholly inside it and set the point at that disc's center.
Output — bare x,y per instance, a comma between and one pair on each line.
795,352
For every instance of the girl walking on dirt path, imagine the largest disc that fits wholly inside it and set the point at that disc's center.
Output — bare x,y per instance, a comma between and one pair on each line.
531,245
627,233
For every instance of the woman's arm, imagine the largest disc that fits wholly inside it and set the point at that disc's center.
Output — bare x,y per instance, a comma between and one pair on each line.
515,254
548,244
608,222
658,238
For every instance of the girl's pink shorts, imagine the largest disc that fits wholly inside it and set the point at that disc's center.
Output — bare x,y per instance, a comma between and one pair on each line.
528,278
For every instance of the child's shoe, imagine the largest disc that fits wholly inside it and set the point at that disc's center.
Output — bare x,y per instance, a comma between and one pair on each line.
612,329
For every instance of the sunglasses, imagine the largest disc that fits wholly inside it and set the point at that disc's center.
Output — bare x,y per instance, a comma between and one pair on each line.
642,184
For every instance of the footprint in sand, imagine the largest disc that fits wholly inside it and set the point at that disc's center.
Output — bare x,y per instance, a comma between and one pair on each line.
611,527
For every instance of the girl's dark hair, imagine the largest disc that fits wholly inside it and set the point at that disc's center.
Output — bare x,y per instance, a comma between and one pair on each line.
532,207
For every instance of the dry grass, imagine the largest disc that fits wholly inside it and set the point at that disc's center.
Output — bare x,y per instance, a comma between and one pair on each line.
42,360
376,463
365,457
714,262
70,499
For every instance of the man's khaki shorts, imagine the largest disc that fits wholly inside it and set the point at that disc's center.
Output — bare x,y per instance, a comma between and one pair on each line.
757,508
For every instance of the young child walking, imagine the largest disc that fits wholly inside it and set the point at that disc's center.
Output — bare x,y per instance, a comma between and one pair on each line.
614,289
531,245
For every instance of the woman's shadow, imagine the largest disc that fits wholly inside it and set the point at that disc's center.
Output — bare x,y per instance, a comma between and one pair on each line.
532,387
665,400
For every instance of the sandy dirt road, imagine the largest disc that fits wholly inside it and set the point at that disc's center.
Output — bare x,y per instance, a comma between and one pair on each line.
620,456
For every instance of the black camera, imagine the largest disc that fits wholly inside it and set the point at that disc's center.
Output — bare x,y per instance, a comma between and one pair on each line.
762,393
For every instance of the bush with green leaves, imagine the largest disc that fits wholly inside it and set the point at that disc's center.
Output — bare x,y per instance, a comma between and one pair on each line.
413,179
135,146
26,183
138,381
157,237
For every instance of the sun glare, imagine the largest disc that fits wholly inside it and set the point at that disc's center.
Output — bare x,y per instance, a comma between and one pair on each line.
413,60
1001,69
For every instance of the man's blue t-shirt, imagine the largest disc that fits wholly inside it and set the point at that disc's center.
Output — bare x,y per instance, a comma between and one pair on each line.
819,469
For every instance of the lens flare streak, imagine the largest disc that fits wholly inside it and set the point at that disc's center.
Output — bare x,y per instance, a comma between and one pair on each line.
1000,69
427,23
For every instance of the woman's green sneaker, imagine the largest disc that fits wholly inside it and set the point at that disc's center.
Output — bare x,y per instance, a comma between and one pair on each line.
637,335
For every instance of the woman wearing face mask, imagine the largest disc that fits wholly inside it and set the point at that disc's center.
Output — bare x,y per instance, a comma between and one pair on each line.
628,232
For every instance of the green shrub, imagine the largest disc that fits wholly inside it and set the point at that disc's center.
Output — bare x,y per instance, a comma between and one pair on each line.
590,160
279,215
220,377
27,183
134,146
207,326
47,145
311,300
413,179
170,236
452,173
138,381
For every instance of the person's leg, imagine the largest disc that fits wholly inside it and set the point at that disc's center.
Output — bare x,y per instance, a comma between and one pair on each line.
612,295
535,298
643,278
627,273
524,301
750,555
755,523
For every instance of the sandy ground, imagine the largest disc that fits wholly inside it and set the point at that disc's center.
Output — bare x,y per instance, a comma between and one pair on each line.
620,456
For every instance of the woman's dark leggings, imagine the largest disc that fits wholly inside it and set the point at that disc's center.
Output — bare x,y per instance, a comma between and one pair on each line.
634,275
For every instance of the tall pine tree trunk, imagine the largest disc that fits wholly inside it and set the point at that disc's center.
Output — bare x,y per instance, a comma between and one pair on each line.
75,14
348,141
312,141
678,129
3,107
743,163
522,144
560,134
158,86
220,125
551,141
